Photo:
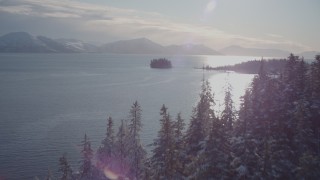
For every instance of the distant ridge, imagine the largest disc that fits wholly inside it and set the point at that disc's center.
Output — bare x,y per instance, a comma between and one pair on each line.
133,46
78,45
241,51
23,42
310,55
189,49
26,43
146,46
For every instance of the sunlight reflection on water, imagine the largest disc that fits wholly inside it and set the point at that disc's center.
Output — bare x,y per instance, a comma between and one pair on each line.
214,61
239,83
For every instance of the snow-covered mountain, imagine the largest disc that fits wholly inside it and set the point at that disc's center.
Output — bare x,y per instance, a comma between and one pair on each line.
78,45
24,42
146,46
133,46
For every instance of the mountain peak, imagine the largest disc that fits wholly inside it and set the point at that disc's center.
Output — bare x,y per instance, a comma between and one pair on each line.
17,36
24,42
142,39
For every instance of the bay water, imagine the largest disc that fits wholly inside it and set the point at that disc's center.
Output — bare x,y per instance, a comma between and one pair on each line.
49,101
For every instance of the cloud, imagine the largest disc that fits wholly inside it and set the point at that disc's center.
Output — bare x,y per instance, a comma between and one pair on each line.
104,23
274,35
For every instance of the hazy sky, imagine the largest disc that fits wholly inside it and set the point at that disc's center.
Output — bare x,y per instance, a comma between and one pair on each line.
284,24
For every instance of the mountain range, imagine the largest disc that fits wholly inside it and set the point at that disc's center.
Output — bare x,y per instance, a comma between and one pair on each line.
241,51
23,42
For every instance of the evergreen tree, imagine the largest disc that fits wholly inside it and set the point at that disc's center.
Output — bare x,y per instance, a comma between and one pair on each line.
315,102
106,150
228,114
49,175
179,127
162,159
212,162
179,147
291,80
201,120
252,136
304,138
243,157
315,77
136,151
122,150
309,165
65,169
86,168
279,161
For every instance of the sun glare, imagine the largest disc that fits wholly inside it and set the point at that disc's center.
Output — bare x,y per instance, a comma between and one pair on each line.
211,6
110,174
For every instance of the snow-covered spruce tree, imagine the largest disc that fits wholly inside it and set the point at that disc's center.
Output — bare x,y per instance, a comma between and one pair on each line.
49,175
253,136
179,148
280,160
273,126
260,137
245,112
106,150
305,115
137,154
179,127
122,151
162,159
275,136
315,78
86,168
290,79
303,137
294,102
309,165
213,162
243,159
250,130
315,102
228,114
201,120
65,169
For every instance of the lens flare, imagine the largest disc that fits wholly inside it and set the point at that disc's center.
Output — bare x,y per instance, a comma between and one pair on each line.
208,10
210,6
109,174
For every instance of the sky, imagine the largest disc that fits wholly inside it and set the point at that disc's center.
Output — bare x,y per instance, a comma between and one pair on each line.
291,25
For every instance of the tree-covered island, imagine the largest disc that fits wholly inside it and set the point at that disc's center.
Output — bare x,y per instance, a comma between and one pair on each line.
161,63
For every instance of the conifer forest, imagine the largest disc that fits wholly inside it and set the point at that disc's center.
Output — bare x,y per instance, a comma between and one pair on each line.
274,135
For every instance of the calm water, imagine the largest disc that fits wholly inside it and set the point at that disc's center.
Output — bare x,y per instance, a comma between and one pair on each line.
49,101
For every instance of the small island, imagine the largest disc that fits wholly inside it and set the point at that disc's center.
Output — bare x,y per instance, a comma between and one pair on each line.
161,63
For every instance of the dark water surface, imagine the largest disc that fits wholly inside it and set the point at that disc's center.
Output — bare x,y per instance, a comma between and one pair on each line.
49,101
